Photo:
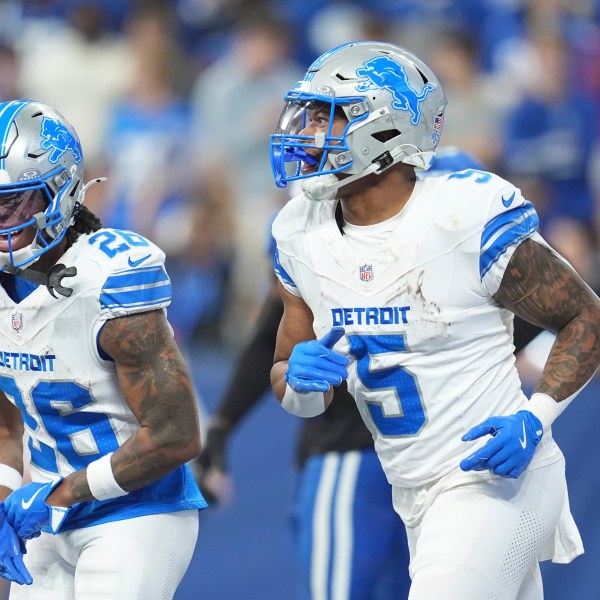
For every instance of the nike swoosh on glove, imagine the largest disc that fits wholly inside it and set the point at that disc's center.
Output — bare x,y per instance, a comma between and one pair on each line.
27,512
313,366
511,448
12,549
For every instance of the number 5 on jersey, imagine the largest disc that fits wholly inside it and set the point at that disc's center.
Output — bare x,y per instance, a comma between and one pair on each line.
399,381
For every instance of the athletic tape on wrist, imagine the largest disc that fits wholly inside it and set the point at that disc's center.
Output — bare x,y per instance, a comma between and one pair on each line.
310,404
546,408
10,477
101,479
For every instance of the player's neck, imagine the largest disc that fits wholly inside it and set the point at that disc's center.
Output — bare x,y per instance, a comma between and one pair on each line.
378,199
50,258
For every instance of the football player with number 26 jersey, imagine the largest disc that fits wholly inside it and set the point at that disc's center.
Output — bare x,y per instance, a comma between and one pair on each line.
409,286
90,372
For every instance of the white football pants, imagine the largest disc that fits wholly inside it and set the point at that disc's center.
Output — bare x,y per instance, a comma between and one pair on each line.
481,541
143,558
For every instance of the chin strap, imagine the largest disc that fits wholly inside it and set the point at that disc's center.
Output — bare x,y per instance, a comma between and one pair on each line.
325,187
52,279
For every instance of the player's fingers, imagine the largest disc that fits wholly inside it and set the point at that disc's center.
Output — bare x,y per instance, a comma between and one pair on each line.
18,570
472,463
308,385
316,355
6,574
333,374
516,472
332,337
308,350
19,565
478,431
323,359
337,358
313,367
503,459
475,462
479,460
515,466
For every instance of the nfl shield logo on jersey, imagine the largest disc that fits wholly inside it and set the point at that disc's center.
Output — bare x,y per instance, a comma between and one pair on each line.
17,321
366,272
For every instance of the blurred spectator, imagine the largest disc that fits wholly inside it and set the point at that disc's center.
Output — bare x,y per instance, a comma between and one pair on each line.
10,21
199,273
473,118
146,147
550,135
236,104
339,22
9,73
80,67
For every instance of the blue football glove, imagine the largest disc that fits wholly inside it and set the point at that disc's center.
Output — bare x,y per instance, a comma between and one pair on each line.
313,366
12,549
510,450
26,509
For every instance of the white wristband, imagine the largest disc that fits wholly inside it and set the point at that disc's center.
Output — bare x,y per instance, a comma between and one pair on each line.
310,404
10,477
101,480
546,409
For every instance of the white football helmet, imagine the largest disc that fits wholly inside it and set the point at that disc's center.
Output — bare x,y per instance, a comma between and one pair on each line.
41,178
392,100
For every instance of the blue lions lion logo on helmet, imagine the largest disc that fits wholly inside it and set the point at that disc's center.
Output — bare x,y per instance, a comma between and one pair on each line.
59,140
382,72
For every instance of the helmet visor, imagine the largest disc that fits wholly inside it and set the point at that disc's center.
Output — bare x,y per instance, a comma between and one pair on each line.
17,208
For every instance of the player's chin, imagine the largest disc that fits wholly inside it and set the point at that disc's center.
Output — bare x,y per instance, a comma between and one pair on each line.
307,169
18,239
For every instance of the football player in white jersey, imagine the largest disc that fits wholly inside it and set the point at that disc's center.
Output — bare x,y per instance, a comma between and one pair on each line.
90,372
410,286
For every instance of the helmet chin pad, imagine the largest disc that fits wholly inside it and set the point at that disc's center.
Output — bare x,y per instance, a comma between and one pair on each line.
320,188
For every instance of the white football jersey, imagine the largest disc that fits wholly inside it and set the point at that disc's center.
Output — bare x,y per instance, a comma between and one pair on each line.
52,368
432,351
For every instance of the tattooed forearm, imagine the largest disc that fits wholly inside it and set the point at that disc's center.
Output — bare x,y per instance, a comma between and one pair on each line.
156,385
541,288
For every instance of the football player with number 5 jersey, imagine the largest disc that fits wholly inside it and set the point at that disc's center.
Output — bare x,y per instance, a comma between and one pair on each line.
90,372
410,286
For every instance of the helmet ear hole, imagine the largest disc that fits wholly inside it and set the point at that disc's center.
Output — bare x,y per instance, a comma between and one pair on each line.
73,191
385,136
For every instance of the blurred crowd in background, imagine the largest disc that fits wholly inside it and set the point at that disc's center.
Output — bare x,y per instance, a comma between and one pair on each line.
174,101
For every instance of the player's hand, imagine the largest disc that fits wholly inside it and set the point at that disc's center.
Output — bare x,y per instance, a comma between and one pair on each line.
12,549
210,468
313,366
214,449
511,448
27,512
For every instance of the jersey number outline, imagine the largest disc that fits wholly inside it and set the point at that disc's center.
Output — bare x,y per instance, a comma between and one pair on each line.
398,379
117,240
58,405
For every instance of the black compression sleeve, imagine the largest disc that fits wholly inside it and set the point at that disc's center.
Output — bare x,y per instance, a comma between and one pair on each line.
252,371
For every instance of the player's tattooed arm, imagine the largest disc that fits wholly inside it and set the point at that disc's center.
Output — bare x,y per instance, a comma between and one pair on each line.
156,384
11,439
543,289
